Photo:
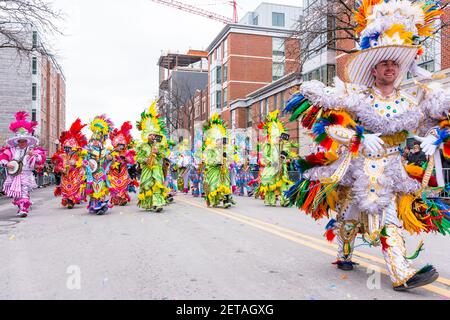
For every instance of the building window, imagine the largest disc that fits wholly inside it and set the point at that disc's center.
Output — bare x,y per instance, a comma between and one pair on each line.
219,99
266,106
278,19
35,39
34,65
275,102
34,92
325,74
225,48
282,100
219,75
233,119
203,107
278,47
225,72
225,97
255,20
249,116
277,70
33,115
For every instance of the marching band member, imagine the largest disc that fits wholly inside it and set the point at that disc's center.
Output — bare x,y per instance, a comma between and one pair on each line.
20,157
97,163
123,156
69,163
150,153
365,184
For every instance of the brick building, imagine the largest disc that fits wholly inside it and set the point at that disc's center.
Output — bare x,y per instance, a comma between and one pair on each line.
33,83
248,56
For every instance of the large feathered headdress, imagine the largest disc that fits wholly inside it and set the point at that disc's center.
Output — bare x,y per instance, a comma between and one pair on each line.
272,126
74,138
213,130
101,127
23,130
151,123
122,136
390,30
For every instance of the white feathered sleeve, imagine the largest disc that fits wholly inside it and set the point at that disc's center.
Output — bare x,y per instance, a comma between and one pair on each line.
436,103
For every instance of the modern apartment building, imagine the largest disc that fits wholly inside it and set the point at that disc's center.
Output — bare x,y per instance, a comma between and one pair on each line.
34,83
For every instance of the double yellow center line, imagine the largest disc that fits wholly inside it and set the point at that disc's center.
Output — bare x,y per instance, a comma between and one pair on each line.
312,242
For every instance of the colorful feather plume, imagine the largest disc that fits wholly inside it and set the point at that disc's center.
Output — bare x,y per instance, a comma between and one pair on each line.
22,124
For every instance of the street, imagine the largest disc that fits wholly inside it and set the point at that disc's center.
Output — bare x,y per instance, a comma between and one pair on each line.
190,252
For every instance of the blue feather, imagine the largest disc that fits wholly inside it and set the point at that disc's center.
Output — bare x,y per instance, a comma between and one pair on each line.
330,224
294,102
443,135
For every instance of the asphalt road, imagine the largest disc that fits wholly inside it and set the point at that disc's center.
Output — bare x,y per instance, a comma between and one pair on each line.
190,252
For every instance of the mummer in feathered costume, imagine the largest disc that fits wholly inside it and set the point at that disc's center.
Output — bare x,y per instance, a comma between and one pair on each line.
69,163
216,148
274,177
97,163
123,156
20,157
364,182
150,154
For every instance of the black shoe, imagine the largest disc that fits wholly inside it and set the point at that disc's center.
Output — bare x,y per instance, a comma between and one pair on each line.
424,276
345,265
159,209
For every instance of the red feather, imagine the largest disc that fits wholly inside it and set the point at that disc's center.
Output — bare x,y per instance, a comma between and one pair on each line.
330,235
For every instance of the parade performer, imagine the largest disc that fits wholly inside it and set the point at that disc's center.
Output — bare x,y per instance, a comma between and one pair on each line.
97,164
217,177
150,154
244,180
69,163
365,183
20,157
274,177
123,157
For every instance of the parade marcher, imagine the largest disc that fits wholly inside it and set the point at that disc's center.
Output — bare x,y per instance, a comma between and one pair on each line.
69,164
245,179
367,185
217,177
97,164
149,154
20,157
123,156
274,177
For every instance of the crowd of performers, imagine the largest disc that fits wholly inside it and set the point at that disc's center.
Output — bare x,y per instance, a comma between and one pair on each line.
358,180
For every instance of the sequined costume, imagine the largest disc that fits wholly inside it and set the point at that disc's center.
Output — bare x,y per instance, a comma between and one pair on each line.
22,150
123,156
97,163
69,163
217,177
150,154
274,176
364,184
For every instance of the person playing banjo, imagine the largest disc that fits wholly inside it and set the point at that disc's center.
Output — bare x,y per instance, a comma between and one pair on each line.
20,157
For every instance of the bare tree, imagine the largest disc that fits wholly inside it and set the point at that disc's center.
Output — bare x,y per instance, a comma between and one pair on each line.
179,107
18,18
329,24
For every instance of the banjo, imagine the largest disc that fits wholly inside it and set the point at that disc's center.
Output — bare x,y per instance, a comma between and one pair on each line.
15,167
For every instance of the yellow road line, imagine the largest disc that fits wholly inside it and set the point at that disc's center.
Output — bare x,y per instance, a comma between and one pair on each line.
293,236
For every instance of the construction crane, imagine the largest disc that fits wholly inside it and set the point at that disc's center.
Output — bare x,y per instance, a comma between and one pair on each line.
201,12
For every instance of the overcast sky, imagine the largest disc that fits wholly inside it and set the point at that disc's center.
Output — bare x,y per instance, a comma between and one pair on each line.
111,47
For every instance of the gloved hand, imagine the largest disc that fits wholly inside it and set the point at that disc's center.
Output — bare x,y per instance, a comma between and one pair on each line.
428,144
373,142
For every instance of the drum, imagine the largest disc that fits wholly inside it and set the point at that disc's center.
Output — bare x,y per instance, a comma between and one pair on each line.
16,168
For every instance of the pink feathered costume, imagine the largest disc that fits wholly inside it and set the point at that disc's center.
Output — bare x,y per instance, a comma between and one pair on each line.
19,187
